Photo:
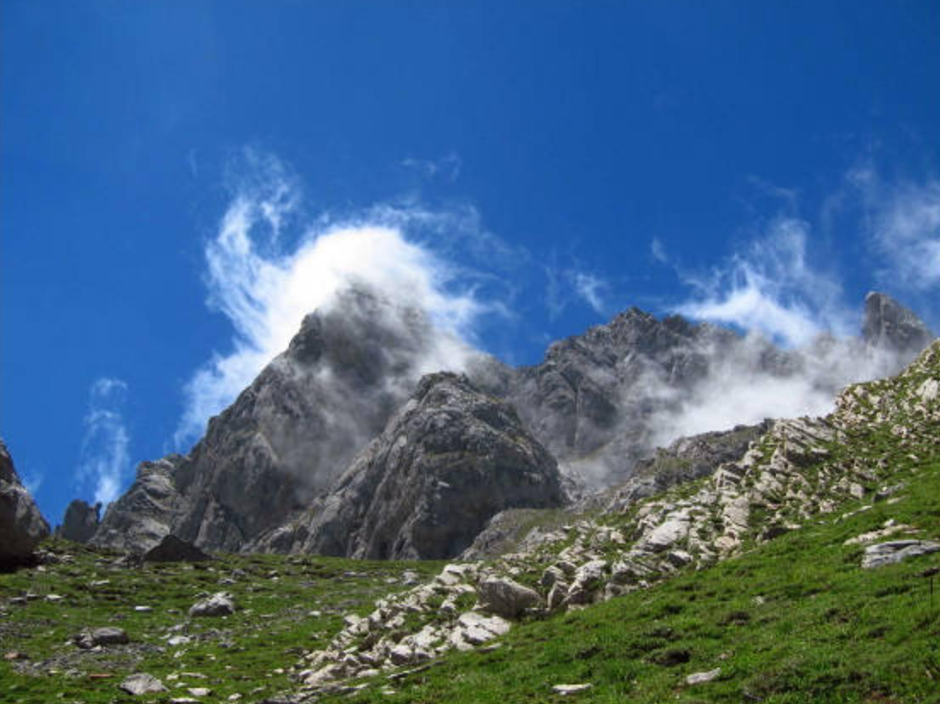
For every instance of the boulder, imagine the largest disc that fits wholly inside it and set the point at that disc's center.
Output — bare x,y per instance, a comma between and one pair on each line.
219,604
22,526
105,636
895,551
505,597
142,683
172,549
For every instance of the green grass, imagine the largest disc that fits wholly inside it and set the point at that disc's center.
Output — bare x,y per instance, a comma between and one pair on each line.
288,606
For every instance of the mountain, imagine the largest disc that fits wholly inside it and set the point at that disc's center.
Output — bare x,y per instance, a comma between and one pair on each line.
22,526
286,437
289,466
450,459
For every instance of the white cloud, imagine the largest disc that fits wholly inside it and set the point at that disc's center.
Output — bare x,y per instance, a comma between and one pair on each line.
658,250
906,233
447,167
105,460
265,284
591,288
771,287
565,285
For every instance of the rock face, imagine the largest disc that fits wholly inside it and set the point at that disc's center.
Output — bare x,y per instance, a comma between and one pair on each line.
889,325
21,524
594,387
450,459
287,437
80,522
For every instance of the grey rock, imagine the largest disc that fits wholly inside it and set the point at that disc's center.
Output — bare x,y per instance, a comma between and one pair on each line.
219,604
22,526
142,517
172,549
896,551
702,677
142,683
567,690
505,597
105,636
80,521
889,325
450,459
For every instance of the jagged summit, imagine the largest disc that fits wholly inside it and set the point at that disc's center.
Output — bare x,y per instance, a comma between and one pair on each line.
286,437
888,324
270,471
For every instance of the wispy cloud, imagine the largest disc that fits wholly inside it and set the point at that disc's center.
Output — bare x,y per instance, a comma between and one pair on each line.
105,460
904,229
771,287
592,289
447,167
267,268
567,285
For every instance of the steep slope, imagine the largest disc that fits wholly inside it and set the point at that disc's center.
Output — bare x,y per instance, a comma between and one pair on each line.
22,526
288,436
450,459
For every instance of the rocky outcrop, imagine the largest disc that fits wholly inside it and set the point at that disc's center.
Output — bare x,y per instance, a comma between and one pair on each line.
287,437
22,526
684,460
143,516
80,522
450,459
889,325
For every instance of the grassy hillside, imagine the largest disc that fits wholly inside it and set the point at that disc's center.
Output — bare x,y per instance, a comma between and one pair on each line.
794,620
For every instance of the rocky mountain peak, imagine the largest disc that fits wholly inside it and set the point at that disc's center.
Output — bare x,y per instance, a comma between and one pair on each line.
80,521
889,325
450,459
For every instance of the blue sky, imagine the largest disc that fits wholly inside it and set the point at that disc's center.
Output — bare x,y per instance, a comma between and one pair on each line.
542,166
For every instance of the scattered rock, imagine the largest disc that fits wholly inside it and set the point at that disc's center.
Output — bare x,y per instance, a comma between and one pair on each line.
505,597
108,635
569,689
896,551
142,683
219,604
702,677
